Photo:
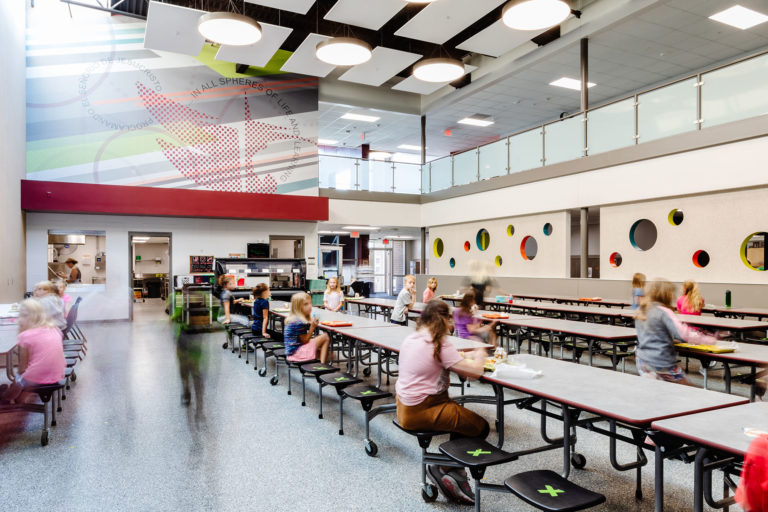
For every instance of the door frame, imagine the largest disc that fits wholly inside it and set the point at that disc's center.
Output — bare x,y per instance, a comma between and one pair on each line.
132,234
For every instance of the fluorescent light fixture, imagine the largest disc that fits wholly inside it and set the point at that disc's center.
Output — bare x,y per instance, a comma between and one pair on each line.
379,155
409,146
333,232
477,121
140,241
438,70
570,83
407,158
534,14
141,238
229,28
361,228
327,142
360,117
739,17
343,51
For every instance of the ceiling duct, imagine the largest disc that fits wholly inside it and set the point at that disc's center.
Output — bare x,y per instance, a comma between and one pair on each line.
66,239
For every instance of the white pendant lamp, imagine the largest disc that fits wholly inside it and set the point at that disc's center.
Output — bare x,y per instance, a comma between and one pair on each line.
229,28
343,51
438,70
534,14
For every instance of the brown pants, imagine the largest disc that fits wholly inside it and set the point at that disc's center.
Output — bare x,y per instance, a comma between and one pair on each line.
440,413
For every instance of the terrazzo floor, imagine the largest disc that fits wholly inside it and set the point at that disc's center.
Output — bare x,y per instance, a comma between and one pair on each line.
125,442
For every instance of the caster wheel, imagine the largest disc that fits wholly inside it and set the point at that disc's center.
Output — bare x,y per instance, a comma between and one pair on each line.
319,416
578,461
273,380
341,432
370,448
367,372
262,372
429,493
58,409
53,423
73,378
225,346
303,404
638,494
44,439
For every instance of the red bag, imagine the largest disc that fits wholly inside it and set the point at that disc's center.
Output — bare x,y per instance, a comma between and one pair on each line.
752,493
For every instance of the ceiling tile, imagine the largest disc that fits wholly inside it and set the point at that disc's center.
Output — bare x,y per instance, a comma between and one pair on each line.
384,64
304,61
370,14
440,21
258,54
299,6
172,28
498,39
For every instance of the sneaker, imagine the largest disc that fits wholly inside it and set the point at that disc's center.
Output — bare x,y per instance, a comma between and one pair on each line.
456,484
435,474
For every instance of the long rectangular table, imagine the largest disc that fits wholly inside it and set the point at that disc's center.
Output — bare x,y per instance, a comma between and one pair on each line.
720,440
740,312
558,299
747,354
620,399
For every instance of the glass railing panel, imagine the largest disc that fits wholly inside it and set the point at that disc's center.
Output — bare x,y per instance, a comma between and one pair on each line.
735,92
425,179
611,127
441,173
336,172
667,111
564,140
379,175
525,151
407,178
465,167
493,159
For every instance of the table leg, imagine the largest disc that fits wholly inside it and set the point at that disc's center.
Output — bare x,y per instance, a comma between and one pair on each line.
659,481
698,480
566,441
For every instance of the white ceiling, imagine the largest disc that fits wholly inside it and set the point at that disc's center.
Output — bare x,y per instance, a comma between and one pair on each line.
370,14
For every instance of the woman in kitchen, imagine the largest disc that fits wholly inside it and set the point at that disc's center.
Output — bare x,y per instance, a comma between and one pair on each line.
75,276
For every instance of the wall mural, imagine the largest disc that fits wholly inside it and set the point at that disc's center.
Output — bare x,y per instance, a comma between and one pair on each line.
103,109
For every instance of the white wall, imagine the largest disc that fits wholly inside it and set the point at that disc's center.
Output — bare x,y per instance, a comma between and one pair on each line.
12,149
716,223
552,259
373,213
285,248
188,237
729,166
148,253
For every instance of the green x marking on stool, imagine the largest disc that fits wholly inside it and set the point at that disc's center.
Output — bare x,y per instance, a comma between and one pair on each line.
551,491
478,452
320,368
369,392
339,379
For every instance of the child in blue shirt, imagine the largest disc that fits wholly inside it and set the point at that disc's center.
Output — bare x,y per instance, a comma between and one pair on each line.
298,330
261,294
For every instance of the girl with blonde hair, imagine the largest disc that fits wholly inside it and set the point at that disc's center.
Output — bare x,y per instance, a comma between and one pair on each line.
429,291
298,331
48,295
690,302
333,298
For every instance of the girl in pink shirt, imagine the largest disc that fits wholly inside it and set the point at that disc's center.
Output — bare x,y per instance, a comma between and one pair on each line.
691,301
41,353
61,286
429,292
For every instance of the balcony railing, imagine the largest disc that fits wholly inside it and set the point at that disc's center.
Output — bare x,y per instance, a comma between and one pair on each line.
731,92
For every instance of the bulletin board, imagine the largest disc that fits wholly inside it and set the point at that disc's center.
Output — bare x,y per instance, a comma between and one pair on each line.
200,264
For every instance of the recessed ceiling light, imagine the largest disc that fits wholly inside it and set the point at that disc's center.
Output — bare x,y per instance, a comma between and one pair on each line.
360,117
379,155
229,28
327,142
534,14
438,70
361,228
343,51
740,17
570,83
409,146
477,120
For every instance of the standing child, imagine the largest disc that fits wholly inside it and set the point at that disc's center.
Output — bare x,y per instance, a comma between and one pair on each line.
261,294
657,329
426,360
41,353
691,301
298,330
333,298
227,284
429,292
404,301
638,289
467,326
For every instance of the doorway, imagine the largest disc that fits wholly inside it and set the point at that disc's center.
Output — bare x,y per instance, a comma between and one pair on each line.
381,260
149,273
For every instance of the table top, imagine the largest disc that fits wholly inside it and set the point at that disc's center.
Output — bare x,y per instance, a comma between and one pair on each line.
392,338
745,353
627,398
7,338
748,311
575,327
722,429
9,311
729,324
330,316
569,308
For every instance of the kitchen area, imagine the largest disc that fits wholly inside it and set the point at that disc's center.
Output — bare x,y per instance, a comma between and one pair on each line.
87,248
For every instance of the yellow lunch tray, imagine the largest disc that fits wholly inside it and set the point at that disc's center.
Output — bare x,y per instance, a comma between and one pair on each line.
712,349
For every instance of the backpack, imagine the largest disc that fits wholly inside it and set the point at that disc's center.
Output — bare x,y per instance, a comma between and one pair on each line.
752,493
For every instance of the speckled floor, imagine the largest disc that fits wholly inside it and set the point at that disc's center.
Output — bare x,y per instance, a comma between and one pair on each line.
125,442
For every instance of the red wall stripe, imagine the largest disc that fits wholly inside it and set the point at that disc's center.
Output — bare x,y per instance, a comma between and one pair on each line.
53,196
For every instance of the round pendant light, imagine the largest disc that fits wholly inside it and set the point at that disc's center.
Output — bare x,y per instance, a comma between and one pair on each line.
534,14
438,70
343,51
229,28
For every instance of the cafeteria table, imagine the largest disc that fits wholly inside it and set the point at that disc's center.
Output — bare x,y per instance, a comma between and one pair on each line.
740,312
558,299
751,355
622,400
720,438
7,344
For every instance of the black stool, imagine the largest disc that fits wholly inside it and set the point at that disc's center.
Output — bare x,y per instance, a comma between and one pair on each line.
429,492
251,340
338,381
45,392
313,370
367,395
269,348
476,455
546,490
239,332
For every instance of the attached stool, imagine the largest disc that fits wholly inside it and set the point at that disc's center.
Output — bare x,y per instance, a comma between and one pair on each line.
367,395
251,340
269,348
239,332
45,392
428,491
313,370
338,381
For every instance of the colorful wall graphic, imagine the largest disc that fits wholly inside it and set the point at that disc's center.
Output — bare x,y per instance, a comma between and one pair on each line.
103,109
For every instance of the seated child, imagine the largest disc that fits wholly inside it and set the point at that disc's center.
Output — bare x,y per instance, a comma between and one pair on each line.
691,301
298,330
467,326
429,292
261,294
